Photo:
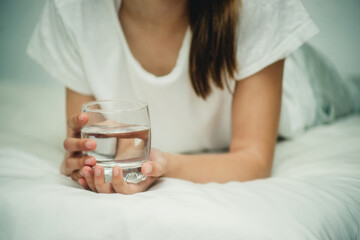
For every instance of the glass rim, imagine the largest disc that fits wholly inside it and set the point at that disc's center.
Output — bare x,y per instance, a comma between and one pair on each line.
143,105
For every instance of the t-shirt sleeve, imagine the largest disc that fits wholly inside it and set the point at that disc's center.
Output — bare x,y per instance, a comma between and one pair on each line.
53,45
269,30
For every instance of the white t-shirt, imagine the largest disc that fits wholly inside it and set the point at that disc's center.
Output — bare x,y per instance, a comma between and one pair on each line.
81,43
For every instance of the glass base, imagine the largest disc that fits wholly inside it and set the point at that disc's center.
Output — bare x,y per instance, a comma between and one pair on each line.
132,175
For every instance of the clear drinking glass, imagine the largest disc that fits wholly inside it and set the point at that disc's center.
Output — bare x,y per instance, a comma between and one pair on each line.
121,129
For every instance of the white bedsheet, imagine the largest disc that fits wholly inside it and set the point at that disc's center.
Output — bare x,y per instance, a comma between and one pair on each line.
314,194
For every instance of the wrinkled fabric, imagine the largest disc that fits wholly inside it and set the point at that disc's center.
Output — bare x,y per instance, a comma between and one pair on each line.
314,193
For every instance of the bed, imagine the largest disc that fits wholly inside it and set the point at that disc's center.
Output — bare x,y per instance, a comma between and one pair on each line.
314,191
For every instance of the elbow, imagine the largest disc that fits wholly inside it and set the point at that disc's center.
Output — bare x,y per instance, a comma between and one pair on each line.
264,171
255,167
259,170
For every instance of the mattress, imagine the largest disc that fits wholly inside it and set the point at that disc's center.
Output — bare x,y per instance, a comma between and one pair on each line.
313,193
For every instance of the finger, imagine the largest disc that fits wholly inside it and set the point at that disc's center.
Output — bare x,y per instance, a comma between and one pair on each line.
75,175
76,144
118,182
83,183
99,181
76,163
87,172
77,121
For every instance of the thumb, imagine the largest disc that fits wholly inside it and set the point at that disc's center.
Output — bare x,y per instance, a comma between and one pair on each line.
155,167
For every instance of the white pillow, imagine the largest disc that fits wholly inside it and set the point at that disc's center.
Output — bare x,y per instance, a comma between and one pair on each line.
300,106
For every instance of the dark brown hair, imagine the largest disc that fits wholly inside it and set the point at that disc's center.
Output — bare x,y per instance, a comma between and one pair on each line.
213,45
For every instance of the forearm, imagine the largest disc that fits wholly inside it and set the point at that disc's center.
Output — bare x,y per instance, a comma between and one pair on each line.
221,168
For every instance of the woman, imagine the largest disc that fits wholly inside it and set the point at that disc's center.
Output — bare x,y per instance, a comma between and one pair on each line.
211,72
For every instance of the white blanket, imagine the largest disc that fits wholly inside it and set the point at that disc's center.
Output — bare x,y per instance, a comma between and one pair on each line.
314,193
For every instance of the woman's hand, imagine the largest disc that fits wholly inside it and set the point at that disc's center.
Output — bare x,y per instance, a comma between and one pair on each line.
153,169
74,159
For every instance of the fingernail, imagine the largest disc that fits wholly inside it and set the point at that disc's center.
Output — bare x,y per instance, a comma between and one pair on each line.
97,172
88,161
147,169
86,173
88,145
81,117
116,172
